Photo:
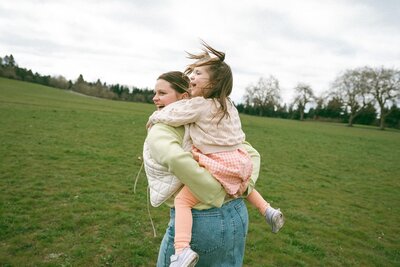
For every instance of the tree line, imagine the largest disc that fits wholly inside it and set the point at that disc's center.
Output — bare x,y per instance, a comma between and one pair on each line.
363,95
10,69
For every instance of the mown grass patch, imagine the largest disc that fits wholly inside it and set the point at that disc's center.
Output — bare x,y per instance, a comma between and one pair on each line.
68,164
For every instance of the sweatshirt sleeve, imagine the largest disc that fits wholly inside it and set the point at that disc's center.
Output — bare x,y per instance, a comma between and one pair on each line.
181,112
256,159
165,144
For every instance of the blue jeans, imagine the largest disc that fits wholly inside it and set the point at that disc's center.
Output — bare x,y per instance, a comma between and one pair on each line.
218,236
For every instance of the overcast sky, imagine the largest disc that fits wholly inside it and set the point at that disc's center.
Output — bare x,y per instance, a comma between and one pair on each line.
132,42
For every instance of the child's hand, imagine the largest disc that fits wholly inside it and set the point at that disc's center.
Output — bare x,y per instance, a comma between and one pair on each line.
149,124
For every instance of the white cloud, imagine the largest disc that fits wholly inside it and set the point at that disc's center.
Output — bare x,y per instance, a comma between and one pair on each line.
132,42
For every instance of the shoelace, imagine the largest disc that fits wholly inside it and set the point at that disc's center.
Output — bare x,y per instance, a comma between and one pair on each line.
147,197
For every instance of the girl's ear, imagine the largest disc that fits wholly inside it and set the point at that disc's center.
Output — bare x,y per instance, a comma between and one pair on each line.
185,95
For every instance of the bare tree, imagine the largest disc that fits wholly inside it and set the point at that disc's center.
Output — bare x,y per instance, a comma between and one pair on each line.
352,89
264,95
384,85
303,95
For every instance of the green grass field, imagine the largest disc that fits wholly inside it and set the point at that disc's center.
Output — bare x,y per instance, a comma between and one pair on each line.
68,164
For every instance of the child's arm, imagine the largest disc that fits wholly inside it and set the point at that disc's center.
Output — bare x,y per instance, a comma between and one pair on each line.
165,144
181,112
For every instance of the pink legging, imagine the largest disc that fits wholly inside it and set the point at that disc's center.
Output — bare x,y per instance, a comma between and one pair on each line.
185,201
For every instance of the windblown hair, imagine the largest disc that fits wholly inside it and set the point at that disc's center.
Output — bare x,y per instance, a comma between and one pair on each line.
179,81
221,79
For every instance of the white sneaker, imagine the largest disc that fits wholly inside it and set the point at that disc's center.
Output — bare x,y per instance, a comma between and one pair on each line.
187,258
274,217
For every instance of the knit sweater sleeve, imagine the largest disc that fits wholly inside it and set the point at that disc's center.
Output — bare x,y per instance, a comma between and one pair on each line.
181,112
165,145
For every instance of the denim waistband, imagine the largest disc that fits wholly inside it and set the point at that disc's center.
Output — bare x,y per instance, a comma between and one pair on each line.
227,205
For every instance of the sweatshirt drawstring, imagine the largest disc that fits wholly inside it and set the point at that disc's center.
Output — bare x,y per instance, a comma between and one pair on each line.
137,177
148,210
147,197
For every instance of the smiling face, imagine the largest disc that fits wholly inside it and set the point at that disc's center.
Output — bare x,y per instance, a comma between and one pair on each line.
199,80
164,94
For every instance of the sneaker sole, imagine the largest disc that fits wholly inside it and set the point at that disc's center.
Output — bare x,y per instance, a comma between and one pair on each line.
191,262
277,223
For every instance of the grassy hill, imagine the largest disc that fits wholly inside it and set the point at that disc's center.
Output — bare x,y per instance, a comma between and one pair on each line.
68,164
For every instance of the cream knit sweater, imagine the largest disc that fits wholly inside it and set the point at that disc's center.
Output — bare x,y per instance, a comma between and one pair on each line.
208,133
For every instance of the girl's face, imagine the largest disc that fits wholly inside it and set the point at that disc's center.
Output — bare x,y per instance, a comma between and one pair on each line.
199,79
164,94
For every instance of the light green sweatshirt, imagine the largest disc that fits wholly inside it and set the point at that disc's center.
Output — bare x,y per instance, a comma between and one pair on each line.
165,145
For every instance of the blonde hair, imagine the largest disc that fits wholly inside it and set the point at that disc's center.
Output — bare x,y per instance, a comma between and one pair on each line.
221,79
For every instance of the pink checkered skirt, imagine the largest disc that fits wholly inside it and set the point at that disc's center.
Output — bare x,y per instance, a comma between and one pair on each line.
231,168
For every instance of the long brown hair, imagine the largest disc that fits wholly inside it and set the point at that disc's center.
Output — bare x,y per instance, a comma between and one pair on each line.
221,79
178,80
